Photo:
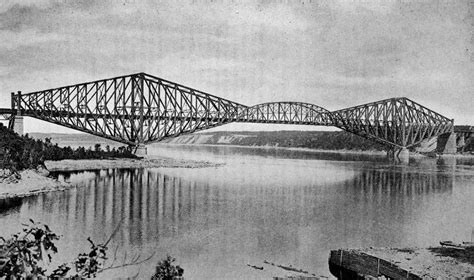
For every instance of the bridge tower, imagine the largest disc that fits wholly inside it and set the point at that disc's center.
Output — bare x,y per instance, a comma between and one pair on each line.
16,119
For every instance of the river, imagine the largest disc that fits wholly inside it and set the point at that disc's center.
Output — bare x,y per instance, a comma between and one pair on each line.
284,206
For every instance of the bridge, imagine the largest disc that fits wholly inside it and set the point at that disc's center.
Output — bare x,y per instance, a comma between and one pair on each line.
139,109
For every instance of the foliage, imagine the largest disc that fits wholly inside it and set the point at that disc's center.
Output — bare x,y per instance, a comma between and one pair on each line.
26,255
22,254
22,152
165,270
88,264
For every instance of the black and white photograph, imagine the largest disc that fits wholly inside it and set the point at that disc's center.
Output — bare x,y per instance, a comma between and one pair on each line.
237,139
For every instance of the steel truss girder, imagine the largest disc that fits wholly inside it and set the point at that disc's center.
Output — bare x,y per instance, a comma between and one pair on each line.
141,108
134,109
395,122
7,116
287,113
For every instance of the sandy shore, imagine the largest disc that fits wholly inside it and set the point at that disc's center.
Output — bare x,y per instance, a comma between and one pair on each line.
30,183
33,182
94,164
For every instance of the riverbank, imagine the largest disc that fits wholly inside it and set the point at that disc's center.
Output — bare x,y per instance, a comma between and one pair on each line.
95,164
407,263
354,152
29,182
268,147
32,182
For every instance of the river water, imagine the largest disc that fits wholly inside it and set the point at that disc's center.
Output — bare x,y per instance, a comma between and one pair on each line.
284,206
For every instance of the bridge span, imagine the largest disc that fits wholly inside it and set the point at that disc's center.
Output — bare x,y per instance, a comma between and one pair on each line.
139,109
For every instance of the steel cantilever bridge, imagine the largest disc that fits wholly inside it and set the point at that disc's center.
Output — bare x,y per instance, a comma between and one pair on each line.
140,108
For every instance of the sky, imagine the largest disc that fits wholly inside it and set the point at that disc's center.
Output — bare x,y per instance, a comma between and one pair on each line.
334,54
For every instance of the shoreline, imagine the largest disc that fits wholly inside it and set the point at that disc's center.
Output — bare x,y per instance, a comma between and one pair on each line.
302,149
438,262
361,152
30,183
97,164
33,182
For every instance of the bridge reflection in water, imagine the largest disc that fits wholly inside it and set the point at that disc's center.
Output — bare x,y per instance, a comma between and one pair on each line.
375,206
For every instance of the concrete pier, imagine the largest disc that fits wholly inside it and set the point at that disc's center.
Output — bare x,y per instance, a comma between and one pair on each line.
141,150
403,155
18,125
450,147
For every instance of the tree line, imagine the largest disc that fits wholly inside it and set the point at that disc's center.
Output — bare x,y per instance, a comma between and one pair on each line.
23,152
324,140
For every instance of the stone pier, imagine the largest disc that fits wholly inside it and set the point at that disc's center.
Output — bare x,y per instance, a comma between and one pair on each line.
141,150
450,147
399,154
403,155
18,125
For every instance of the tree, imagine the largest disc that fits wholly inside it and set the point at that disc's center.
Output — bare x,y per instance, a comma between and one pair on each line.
21,152
165,270
97,148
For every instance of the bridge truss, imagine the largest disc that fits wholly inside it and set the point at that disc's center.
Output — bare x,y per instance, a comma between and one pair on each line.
133,109
396,122
140,108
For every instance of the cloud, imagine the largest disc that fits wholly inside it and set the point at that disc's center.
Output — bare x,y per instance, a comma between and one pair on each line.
329,53
11,40
17,16
9,4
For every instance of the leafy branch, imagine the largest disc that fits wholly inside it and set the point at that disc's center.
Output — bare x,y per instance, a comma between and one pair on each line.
27,253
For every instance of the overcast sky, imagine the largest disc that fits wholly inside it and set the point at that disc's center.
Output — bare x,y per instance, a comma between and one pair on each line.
334,54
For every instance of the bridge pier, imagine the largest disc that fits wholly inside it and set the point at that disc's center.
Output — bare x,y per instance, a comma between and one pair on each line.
141,150
450,147
403,155
461,143
399,154
18,125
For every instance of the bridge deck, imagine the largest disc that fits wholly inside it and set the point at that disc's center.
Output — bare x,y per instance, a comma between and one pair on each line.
8,111
4,111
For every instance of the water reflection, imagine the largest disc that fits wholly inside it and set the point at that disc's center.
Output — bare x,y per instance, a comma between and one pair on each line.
216,220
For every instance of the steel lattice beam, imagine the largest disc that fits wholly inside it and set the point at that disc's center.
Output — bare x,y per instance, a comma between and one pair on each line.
141,108
287,113
133,109
396,122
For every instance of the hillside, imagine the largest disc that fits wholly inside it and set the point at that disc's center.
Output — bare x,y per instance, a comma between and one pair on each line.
326,140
